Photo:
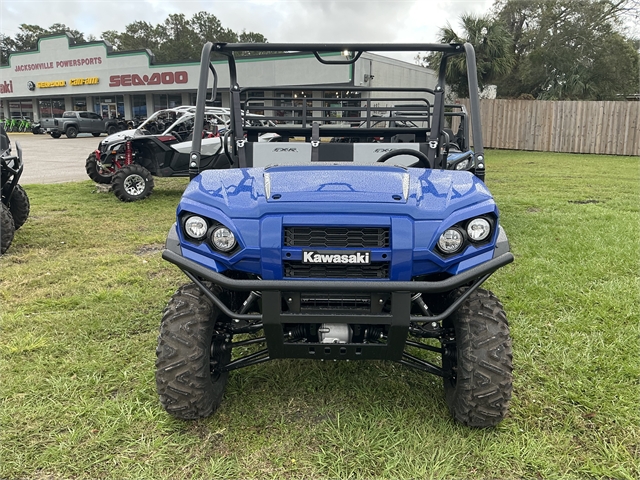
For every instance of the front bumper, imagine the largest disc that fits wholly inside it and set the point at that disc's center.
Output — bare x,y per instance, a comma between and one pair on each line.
373,286
399,320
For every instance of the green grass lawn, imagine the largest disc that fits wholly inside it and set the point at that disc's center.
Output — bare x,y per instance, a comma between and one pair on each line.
83,286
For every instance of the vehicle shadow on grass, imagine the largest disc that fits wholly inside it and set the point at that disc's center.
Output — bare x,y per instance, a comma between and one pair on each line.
314,392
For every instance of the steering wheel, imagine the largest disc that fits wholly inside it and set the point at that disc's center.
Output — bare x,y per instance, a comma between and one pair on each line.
177,135
422,158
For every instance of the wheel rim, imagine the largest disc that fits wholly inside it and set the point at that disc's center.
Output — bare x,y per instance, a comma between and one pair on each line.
134,184
216,352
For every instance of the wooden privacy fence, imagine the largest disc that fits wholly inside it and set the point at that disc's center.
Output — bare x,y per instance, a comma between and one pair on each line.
561,126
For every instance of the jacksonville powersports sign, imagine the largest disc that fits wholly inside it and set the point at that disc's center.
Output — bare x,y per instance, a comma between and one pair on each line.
76,62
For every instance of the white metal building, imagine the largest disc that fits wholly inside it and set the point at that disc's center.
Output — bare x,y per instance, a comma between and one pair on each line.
60,75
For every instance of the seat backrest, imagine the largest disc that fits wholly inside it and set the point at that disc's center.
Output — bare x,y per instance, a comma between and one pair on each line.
297,153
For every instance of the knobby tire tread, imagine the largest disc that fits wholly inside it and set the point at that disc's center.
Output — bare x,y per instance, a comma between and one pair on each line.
91,166
186,386
482,391
7,228
120,176
19,206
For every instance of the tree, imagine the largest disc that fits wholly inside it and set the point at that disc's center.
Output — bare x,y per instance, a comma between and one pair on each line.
177,38
137,36
27,38
5,49
493,47
568,50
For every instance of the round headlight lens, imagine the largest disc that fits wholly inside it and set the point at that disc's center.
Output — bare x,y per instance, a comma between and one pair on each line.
478,229
463,165
196,227
451,240
223,239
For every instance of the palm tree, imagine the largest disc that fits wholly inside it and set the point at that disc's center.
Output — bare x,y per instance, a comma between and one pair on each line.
494,52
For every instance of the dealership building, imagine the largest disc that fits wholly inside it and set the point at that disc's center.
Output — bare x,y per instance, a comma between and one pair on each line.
61,75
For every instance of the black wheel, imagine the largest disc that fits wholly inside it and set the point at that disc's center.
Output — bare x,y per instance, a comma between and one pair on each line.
97,171
56,134
153,129
422,158
111,129
132,183
190,354
479,362
19,206
7,228
72,132
96,134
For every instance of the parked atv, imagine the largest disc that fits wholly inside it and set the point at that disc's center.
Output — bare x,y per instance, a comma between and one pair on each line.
336,251
14,207
129,160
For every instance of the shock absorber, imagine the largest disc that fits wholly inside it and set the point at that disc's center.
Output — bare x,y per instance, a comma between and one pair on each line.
374,334
128,153
417,299
298,332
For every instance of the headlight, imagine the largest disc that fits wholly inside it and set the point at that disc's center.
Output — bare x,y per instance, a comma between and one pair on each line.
478,229
223,239
463,165
196,227
451,241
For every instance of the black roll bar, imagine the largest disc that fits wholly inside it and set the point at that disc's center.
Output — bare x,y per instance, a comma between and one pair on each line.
228,49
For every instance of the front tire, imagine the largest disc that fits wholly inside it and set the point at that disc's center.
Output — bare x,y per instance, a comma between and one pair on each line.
7,228
19,206
111,129
189,356
479,363
96,171
132,183
56,134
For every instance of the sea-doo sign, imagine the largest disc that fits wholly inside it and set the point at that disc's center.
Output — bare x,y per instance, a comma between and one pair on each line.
158,78
336,257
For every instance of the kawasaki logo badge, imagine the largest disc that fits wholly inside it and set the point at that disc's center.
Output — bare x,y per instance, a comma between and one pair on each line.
338,258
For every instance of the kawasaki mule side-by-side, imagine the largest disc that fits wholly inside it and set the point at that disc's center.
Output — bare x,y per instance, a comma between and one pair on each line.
358,250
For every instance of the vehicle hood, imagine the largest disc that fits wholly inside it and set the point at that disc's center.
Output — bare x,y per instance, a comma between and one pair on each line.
334,188
120,136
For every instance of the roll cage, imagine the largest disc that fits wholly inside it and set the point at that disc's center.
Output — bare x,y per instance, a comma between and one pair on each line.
295,118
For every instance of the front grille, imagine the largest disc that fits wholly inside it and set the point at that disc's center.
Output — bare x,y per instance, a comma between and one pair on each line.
321,301
293,269
353,237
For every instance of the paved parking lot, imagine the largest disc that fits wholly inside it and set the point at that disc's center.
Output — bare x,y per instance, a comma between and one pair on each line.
54,160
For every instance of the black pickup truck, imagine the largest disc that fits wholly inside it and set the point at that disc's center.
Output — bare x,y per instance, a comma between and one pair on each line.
73,123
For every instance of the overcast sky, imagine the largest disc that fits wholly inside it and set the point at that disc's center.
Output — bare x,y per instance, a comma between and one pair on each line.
278,20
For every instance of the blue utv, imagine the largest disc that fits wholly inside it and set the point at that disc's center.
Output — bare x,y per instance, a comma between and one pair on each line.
315,249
